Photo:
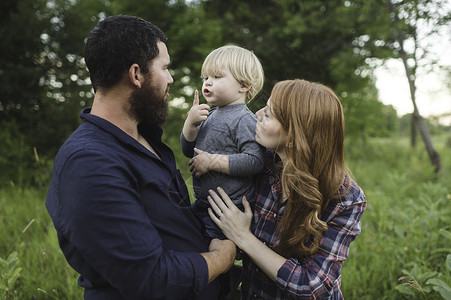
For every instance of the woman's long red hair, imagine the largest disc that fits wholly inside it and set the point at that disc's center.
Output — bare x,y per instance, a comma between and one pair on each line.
312,120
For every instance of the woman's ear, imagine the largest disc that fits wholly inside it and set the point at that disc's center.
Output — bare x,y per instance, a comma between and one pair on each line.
135,75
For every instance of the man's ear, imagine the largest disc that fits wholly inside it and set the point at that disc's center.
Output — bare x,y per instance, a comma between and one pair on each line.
135,75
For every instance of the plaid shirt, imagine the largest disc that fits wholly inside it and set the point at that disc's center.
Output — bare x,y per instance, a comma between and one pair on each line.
319,276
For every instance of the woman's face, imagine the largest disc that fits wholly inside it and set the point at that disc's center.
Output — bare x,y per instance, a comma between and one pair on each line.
268,132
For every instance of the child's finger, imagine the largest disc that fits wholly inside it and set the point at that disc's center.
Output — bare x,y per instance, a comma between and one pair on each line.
198,151
196,98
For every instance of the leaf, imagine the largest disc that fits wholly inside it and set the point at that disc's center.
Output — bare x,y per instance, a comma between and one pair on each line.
3,287
2,262
12,258
405,290
441,287
448,261
13,278
445,233
425,276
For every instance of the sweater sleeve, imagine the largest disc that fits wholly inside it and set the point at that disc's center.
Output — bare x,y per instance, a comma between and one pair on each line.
249,160
187,147
100,216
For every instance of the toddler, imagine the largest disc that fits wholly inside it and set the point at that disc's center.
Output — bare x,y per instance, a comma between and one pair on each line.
221,140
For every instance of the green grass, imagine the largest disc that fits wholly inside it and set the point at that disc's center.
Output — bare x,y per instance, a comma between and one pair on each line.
403,252
406,235
26,229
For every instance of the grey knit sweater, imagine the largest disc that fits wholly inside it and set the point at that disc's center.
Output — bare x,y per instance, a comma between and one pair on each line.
228,130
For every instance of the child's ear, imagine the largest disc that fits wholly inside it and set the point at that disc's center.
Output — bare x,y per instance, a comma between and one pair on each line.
244,88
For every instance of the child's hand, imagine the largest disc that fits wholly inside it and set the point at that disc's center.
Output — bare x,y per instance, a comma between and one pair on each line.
198,112
201,163
204,162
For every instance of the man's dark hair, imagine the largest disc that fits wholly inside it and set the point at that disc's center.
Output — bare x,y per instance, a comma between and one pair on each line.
115,44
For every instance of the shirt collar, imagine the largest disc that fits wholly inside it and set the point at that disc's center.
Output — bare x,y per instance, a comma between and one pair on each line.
151,133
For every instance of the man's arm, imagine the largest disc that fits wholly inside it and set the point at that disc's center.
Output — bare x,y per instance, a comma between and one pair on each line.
109,233
220,257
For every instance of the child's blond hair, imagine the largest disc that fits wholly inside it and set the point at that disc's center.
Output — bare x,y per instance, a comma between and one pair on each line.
242,63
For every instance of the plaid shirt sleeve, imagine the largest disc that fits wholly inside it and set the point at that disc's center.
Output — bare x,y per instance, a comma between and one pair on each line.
320,274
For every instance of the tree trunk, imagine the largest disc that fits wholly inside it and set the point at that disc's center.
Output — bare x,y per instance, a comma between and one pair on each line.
416,117
413,132
433,154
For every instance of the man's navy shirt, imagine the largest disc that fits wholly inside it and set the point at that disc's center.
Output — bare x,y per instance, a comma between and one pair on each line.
123,216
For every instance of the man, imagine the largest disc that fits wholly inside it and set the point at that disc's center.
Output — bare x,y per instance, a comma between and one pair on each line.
120,207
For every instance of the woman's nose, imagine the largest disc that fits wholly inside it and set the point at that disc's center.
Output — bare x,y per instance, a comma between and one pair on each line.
258,114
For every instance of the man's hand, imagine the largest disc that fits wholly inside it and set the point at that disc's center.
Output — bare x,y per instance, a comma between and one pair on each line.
196,115
220,257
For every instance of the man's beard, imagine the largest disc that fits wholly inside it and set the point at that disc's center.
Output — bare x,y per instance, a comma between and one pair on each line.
148,105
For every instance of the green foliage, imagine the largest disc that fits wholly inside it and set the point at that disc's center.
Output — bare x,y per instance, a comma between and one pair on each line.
35,267
42,78
403,252
404,243
10,273
20,163
45,83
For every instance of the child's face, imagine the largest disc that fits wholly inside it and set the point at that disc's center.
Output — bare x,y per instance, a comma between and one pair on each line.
223,89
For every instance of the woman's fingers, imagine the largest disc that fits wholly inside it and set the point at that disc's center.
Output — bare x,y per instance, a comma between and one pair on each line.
214,206
225,198
247,207
213,217
218,201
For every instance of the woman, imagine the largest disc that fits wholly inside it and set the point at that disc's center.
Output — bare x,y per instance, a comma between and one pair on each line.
308,208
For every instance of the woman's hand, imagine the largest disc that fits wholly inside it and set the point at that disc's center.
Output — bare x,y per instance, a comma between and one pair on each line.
234,224
236,227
